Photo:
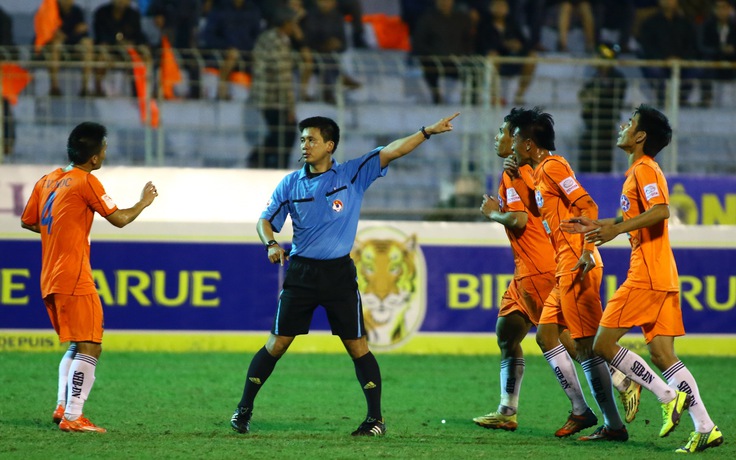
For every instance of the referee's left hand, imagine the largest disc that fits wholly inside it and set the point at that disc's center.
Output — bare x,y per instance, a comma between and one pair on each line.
276,254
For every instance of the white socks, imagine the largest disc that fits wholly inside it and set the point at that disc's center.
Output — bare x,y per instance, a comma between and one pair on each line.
639,371
599,380
512,371
80,381
679,378
64,365
564,370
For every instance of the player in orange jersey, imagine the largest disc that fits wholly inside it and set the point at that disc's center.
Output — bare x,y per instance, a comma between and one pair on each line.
61,208
649,297
575,301
534,278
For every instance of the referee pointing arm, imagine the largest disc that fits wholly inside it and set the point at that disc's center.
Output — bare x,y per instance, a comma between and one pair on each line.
323,199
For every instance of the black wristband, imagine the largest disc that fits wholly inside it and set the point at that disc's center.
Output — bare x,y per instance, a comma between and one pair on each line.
271,243
425,133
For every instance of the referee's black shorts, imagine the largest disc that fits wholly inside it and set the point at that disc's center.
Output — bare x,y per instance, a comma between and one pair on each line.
311,282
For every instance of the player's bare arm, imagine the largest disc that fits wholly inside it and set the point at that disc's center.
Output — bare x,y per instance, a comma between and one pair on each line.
490,209
588,209
652,216
275,253
123,217
403,146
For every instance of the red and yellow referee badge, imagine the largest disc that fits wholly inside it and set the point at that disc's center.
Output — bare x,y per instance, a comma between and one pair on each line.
337,206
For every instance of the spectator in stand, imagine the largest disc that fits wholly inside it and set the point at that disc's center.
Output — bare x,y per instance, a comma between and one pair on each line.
272,91
601,99
665,35
412,10
74,32
6,41
529,15
499,35
618,16
117,27
352,9
232,26
585,12
324,33
442,35
178,20
717,41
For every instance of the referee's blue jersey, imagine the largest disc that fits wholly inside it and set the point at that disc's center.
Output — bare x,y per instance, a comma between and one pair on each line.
325,209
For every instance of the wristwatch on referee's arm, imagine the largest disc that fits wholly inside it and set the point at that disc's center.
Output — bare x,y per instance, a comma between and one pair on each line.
271,243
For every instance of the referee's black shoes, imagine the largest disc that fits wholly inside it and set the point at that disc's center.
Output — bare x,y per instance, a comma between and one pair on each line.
241,419
371,427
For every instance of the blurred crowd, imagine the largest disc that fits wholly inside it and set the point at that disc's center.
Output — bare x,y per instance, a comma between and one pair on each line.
439,30
269,43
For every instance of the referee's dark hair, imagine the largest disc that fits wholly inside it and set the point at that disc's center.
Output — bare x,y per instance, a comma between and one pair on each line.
85,141
657,126
327,128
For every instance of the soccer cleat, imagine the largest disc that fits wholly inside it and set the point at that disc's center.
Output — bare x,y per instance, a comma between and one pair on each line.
672,412
371,427
698,442
630,400
577,423
240,420
80,425
58,414
497,421
603,433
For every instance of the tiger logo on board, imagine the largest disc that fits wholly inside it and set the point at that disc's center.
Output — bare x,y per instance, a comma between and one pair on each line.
392,282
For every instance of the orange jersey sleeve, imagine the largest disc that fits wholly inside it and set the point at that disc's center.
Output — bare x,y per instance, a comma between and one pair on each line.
63,203
533,253
556,189
652,261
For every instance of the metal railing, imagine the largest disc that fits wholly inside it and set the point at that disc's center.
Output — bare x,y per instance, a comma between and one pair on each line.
393,100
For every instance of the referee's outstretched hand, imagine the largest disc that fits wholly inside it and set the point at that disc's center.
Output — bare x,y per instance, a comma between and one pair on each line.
443,125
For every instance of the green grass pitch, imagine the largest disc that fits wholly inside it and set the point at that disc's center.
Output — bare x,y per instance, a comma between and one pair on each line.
178,405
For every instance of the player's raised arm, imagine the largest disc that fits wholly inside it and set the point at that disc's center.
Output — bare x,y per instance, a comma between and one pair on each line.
401,147
123,217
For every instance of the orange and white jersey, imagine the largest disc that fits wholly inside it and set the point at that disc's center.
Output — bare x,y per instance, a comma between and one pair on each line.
652,261
63,204
533,253
556,190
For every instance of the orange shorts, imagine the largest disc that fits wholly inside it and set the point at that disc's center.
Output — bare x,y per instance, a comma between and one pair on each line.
656,312
575,304
526,295
76,318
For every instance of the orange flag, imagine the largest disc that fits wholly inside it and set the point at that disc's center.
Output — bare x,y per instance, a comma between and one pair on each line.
141,89
14,80
45,23
237,77
170,72
391,32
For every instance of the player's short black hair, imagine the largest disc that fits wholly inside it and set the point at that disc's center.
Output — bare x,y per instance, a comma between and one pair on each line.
538,126
514,117
85,141
657,126
326,126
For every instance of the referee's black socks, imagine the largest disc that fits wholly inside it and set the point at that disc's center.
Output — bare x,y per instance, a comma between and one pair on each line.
369,376
259,370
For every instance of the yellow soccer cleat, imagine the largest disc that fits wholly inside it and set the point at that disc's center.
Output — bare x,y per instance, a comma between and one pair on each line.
672,412
698,442
630,400
497,421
